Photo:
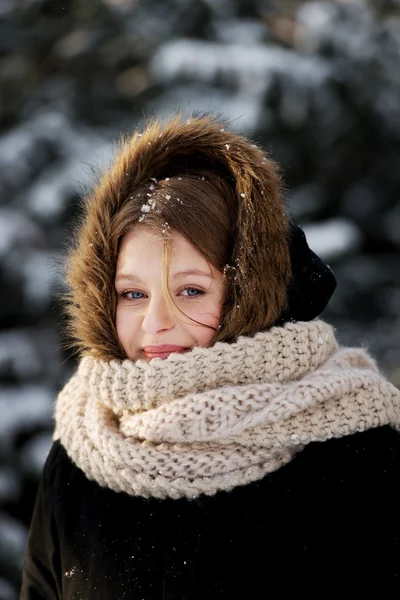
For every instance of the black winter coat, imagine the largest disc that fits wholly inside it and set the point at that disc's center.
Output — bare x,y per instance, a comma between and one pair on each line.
327,523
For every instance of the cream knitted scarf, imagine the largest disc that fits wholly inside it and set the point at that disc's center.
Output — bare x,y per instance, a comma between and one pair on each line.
215,418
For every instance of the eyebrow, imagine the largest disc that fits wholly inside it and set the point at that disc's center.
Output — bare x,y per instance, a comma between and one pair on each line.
175,276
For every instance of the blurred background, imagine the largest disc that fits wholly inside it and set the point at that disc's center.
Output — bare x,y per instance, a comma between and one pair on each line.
316,83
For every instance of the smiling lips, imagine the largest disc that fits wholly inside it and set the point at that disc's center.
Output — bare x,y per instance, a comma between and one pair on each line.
162,351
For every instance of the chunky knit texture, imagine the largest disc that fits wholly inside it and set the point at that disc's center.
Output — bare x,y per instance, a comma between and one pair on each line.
215,418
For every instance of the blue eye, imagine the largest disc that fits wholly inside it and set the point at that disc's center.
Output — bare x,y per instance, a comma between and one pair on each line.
135,293
193,290
129,295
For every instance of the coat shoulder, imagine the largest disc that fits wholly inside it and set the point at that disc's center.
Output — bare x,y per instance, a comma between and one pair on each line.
331,512
374,453
361,459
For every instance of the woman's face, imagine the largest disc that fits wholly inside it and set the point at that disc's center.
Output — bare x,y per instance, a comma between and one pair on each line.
143,318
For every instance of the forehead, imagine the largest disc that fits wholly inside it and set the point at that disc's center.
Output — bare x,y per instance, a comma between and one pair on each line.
144,242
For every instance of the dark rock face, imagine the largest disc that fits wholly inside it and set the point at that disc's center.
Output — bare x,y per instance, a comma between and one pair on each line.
316,83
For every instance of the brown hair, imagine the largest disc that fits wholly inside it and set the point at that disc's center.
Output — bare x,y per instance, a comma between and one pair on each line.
213,187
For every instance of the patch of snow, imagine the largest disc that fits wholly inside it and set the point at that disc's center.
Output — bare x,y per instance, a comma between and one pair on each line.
205,61
16,230
332,239
245,109
10,485
7,591
22,409
13,537
246,32
40,278
19,354
34,453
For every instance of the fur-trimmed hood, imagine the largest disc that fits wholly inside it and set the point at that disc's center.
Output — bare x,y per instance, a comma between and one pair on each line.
159,152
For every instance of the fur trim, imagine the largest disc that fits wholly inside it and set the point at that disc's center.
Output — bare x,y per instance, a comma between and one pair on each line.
160,151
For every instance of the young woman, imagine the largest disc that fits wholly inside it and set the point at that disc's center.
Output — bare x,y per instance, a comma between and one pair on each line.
215,440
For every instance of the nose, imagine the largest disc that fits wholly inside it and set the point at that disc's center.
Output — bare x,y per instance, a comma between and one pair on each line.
157,316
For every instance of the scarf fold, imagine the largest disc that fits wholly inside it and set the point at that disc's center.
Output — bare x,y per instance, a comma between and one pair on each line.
215,418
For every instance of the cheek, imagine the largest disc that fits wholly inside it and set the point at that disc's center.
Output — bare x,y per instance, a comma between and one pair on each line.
208,313
125,326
